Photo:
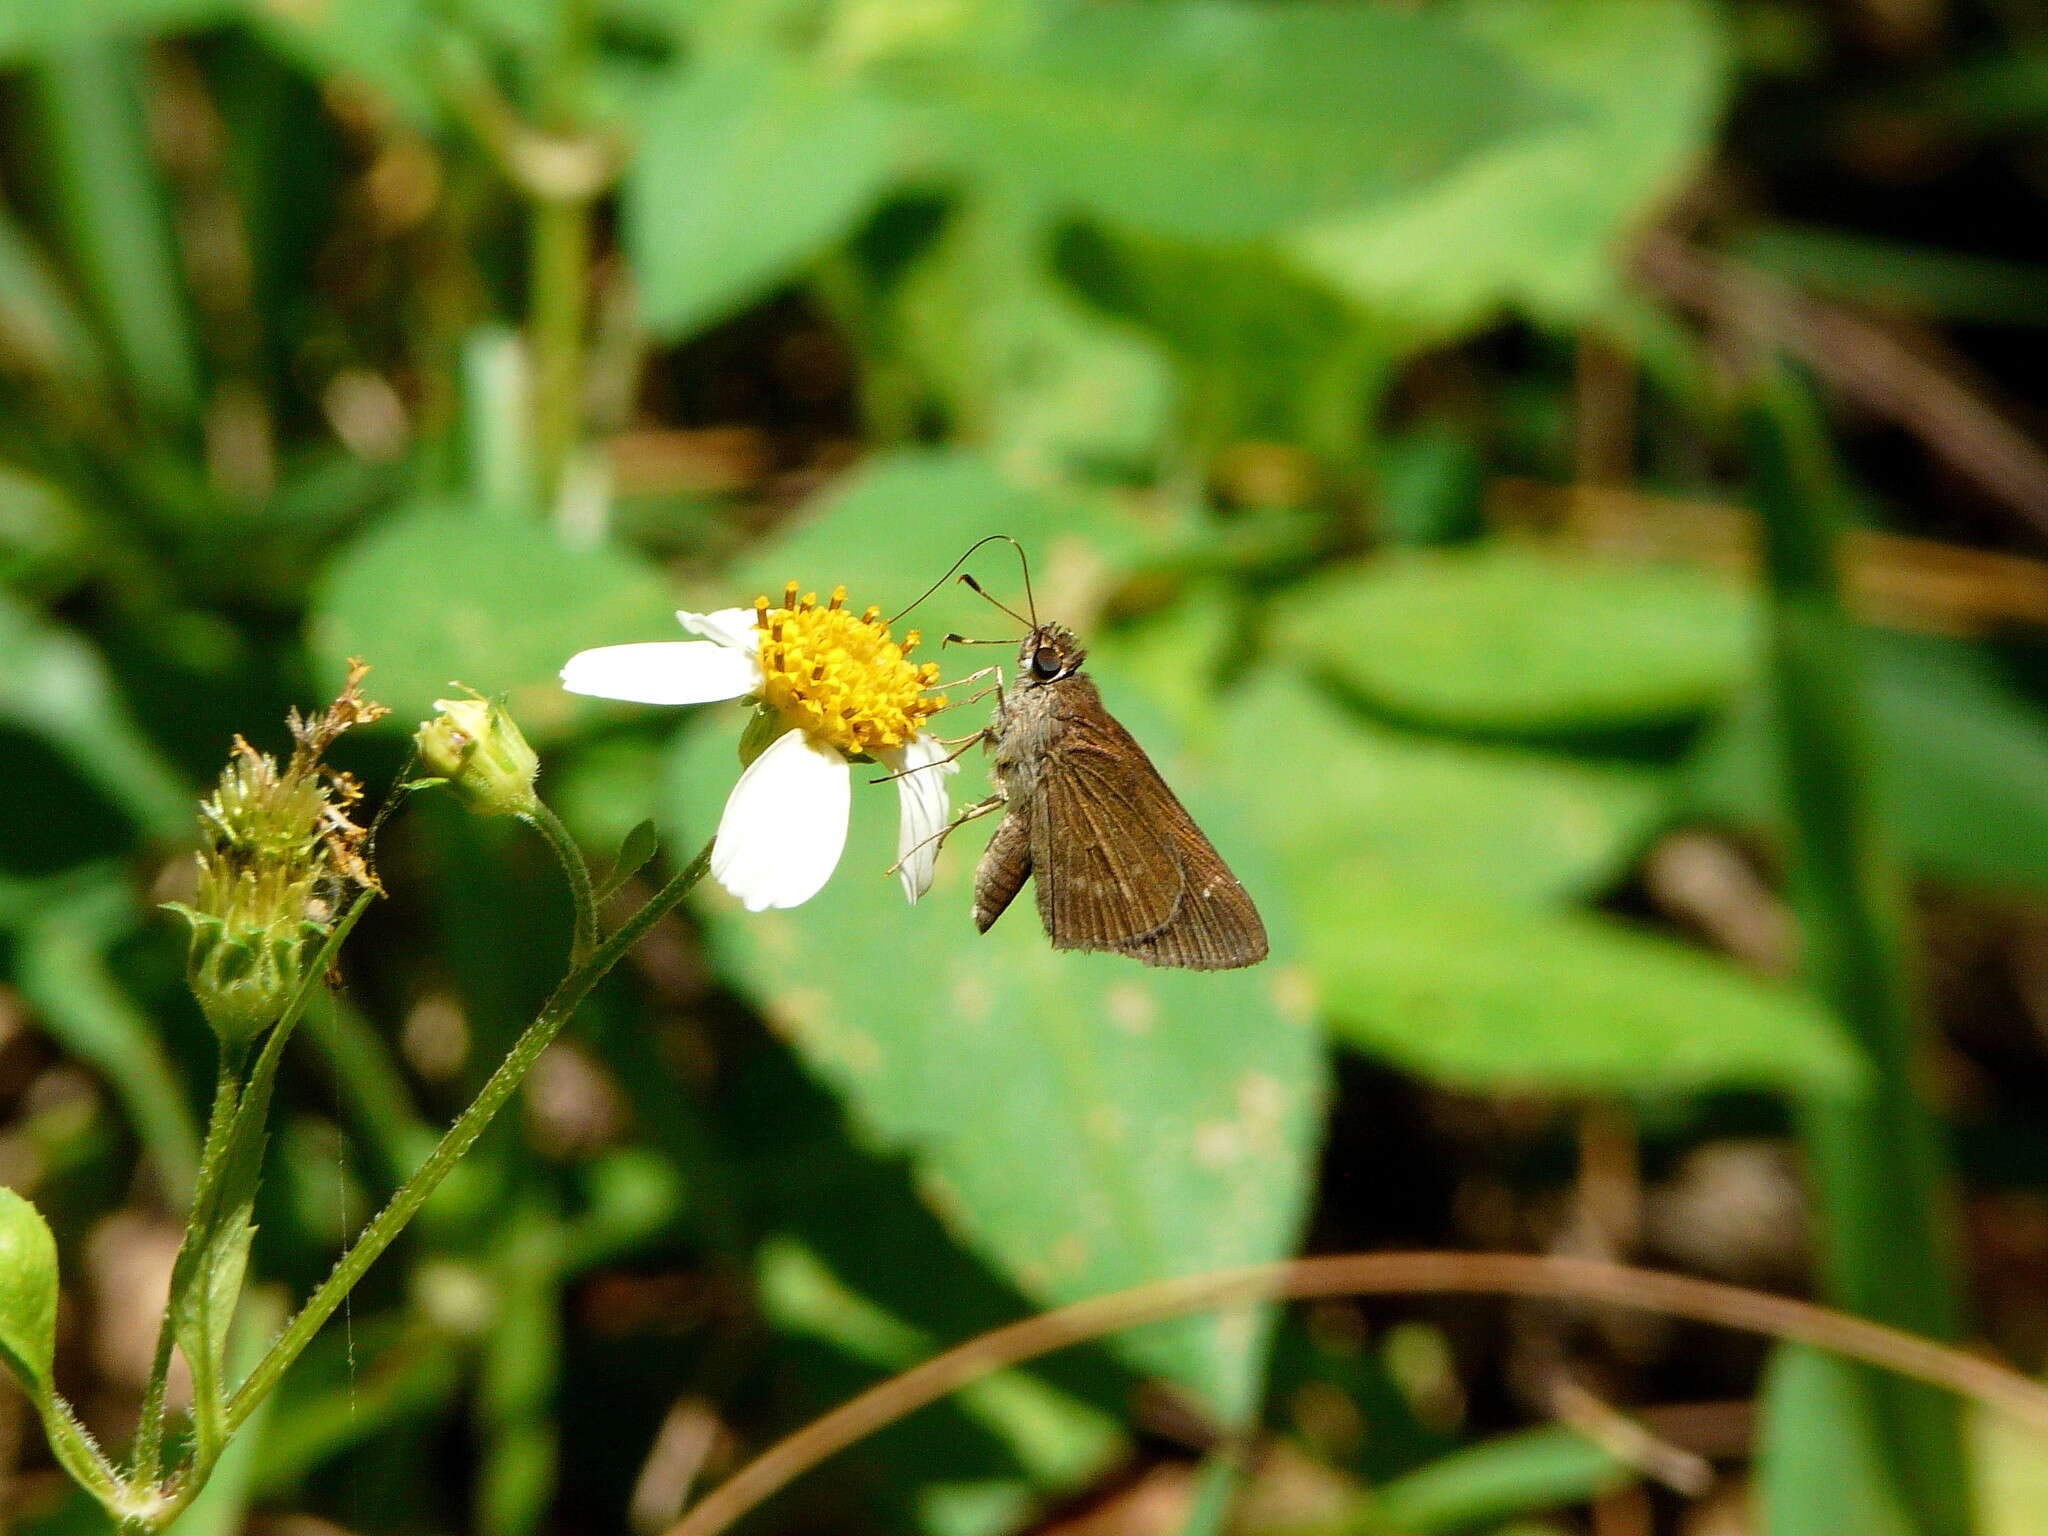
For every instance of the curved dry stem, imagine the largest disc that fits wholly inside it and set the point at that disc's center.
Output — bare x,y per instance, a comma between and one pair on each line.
1363,1274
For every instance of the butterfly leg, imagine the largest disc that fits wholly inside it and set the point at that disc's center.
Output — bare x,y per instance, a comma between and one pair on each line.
965,745
967,813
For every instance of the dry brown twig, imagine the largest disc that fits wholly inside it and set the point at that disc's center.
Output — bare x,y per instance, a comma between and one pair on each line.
1363,1274
1864,360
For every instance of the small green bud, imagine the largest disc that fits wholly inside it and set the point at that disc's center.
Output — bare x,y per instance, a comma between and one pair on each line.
473,744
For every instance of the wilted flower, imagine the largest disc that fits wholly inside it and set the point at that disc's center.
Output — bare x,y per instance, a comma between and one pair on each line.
833,689
476,748
278,850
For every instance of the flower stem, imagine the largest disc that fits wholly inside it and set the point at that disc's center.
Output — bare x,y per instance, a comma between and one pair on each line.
458,1139
147,1460
544,821
560,301
239,1106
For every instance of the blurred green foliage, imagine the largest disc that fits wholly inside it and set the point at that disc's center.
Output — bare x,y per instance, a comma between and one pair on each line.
461,335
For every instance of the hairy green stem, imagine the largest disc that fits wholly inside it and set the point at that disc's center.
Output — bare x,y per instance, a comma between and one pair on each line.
406,1203
574,870
147,1460
239,1107
1880,1175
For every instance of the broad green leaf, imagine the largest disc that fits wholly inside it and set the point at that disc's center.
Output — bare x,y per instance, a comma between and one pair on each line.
1520,1474
1044,384
893,527
1268,353
28,1294
54,685
1219,120
1480,994
2012,1476
31,30
433,595
1080,1122
1505,638
1965,759
749,166
1538,221
1439,815
1816,1460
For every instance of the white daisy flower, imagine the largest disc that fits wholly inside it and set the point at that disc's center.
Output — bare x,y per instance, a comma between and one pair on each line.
833,690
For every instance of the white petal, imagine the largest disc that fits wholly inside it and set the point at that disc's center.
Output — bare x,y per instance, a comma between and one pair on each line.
663,672
923,809
784,825
728,626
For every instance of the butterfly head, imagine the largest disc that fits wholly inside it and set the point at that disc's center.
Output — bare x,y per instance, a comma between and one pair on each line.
1049,653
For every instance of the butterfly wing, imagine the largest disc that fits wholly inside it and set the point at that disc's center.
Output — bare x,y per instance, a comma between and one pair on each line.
1119,863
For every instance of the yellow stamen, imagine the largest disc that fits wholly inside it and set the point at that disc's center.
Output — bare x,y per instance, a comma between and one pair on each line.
839,678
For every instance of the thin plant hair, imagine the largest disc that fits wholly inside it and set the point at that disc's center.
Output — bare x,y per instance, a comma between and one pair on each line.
1363,1274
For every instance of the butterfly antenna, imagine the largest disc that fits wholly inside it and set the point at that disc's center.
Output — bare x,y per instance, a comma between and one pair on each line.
994,538
968,581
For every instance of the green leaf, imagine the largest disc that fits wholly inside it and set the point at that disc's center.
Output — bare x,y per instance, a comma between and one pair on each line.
432,596
28,1295
749,166
1818,1472
1505,638
1216,120
1043,383
1482,995
1170,1116
53,684
387,45
1268,353
892,528
2012,1476
203,1311
1057,1440
1527,828
642,843
1080,1122
1527,1473
1538,221
65,929
31,31
1964,760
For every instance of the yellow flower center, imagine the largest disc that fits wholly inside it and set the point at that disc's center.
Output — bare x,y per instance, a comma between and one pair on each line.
838,676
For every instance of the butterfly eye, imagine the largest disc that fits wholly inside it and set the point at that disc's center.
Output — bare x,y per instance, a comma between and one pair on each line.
1045,662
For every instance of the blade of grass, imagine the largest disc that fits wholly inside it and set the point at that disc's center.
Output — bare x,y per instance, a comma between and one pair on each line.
1880,1180
66,927
109,203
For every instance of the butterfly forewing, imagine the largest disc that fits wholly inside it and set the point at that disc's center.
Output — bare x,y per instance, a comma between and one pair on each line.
1120,864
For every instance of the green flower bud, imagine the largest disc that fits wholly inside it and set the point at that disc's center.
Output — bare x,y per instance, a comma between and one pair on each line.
475,747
